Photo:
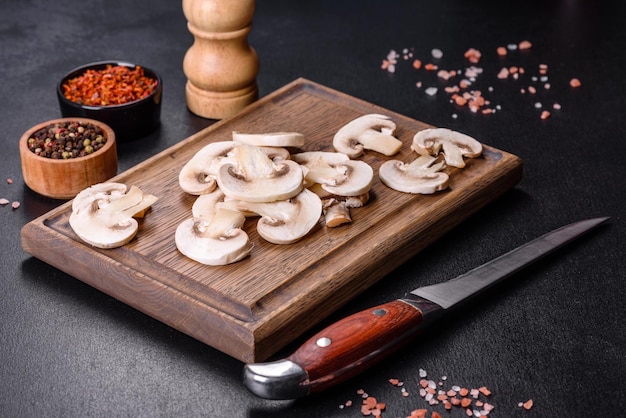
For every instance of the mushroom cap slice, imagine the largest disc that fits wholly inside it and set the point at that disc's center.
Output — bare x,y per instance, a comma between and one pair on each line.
198,175
359,177
270,139
205,205
102,189
106,220
336,172
321,166
254,177
373,132
215,243
286,221
455,145
420,176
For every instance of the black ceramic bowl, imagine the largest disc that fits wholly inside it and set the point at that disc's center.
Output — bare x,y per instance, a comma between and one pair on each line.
131,120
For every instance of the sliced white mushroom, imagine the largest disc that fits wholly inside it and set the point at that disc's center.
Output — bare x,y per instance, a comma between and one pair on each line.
276,154
421,176
102,189
106,219
286,221
336,209
270,139
214,242
336,173
254,177
198,174
372,132
205,205
455,145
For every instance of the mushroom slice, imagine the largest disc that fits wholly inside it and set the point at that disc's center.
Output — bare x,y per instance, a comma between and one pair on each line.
454,144
336,209
270,139
198,174
276,154
359,177
321,166
421,176
216,242
254,177
205,205
286,221
373,132
105,220
336,173
101,189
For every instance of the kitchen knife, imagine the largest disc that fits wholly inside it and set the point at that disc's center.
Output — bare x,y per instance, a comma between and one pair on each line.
356,342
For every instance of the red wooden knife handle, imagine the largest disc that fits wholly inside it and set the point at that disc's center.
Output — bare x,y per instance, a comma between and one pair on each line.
341,350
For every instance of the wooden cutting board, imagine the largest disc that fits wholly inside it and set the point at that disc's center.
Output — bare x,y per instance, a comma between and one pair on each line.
253,308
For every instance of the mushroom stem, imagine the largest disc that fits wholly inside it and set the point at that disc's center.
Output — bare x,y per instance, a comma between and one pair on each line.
337,213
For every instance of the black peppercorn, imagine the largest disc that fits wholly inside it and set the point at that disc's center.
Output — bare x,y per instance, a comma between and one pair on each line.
65,140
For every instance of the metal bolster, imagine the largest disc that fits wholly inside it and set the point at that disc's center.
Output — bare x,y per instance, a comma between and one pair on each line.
282,379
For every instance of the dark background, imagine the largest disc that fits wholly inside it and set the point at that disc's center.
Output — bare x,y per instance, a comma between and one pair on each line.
554,333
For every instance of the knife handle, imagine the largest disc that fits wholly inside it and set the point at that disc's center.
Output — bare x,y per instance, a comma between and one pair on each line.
341,350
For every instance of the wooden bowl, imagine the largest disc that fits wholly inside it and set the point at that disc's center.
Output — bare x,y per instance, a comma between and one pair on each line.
63,179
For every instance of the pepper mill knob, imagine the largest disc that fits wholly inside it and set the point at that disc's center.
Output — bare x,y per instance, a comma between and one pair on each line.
220,66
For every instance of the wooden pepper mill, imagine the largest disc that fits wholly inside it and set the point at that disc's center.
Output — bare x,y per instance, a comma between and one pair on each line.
220,66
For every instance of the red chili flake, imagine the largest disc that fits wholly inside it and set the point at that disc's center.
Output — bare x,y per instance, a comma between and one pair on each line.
417,64
430,67
545,115
114,85
501,51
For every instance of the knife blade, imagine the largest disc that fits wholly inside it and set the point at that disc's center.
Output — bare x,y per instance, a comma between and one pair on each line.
349,346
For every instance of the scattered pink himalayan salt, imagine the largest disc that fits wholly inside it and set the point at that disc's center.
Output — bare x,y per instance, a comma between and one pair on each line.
524,45
473,55
574,82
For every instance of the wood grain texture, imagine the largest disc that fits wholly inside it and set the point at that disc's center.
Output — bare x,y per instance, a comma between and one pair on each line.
253,308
